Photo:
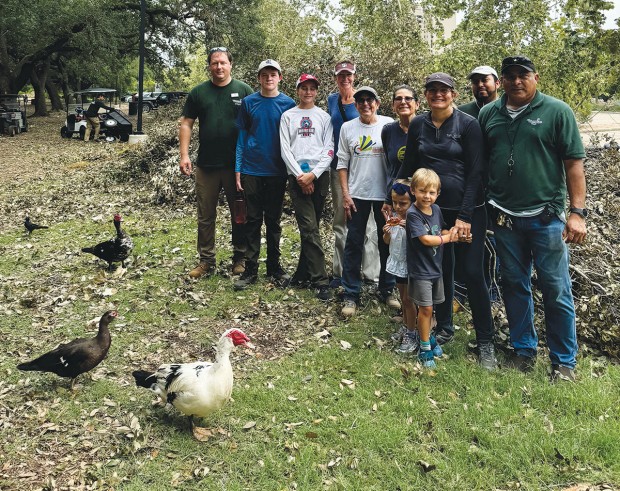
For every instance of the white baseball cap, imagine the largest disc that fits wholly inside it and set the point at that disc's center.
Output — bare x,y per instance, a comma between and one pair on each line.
269,63
483,70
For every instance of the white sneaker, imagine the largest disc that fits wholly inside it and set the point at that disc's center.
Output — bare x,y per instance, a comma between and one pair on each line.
392,302
349,308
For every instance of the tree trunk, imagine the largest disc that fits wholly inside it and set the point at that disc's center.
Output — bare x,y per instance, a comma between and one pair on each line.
52,91
38,77
64,82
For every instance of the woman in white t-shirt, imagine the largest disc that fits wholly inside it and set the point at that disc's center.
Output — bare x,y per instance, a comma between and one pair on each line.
307,146
362,167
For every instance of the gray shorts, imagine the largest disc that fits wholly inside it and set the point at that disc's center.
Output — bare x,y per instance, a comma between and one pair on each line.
426,293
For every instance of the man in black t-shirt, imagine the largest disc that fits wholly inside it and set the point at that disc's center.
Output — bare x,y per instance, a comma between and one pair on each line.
92,116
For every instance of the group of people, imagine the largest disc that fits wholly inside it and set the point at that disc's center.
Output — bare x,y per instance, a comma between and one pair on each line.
412,198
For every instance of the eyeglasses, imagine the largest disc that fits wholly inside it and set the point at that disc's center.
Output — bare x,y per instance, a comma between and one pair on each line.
365,100
438,90
219,48
405,98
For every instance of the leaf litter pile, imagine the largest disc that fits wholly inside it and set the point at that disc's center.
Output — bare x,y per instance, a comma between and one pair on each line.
57,181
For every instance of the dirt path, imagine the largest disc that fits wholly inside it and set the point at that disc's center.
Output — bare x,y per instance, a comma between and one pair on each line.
601,123
41,150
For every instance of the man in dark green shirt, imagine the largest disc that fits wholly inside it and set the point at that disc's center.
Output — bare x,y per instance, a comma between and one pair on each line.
484,85
535,156
215,103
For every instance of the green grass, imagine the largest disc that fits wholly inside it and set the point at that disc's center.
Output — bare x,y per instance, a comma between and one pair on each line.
325,418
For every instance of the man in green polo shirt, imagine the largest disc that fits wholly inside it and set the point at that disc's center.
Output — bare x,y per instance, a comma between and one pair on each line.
535,155
215,103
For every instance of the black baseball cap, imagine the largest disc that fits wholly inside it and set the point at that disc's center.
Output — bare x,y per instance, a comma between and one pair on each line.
521,61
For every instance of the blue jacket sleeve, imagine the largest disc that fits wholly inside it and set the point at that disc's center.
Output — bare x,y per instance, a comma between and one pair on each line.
241,139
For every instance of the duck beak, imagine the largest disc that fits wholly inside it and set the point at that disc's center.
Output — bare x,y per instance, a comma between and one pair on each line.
249,344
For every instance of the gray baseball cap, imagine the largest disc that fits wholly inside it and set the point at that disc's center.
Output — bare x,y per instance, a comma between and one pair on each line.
366,89
441,77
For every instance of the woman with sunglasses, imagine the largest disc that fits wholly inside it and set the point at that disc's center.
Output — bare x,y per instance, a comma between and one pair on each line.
394,135
394,138
450,142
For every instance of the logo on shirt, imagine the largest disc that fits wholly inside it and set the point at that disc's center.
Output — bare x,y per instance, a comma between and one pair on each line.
435,230
534,122
365,145
305,127
400,155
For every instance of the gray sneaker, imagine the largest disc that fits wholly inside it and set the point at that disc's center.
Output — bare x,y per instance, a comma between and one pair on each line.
562,373
486,356
397,337
410,343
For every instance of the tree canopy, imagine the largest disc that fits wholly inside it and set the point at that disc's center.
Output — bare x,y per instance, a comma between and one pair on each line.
58,47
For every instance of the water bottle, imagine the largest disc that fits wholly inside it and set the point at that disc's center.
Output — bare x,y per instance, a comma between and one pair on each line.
305,166
240,209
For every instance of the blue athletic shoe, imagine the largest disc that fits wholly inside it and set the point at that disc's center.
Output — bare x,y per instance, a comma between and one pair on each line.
436,348
427,359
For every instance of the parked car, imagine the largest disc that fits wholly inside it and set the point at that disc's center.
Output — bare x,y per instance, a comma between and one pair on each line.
149,101
13,114
152,100
164,98
114,123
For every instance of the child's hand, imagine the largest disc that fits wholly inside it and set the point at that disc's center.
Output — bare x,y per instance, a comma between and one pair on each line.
403,223
393,220
386,228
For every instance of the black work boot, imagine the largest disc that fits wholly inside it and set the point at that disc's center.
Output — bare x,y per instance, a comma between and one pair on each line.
248,277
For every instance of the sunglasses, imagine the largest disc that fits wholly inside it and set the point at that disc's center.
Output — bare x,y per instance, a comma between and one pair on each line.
219,48
365,100
404,98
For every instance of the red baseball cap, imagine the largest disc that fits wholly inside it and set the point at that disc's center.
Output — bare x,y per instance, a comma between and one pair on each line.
304,77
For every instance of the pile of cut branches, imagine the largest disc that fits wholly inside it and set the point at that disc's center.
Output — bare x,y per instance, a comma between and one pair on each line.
595,266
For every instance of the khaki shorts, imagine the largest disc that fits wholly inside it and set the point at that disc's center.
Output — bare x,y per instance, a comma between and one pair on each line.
426,293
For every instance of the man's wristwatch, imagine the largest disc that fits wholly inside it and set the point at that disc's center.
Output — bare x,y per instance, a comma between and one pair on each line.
582,212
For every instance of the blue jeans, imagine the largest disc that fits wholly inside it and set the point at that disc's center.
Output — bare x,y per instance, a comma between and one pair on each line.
354,247
533,242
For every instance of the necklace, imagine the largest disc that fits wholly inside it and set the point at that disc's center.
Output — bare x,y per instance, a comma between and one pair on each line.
511,162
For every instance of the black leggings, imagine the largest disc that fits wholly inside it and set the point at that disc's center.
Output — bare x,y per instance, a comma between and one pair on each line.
470,259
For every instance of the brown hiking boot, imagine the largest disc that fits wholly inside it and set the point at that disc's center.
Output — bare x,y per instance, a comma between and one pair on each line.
238,266
203,269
